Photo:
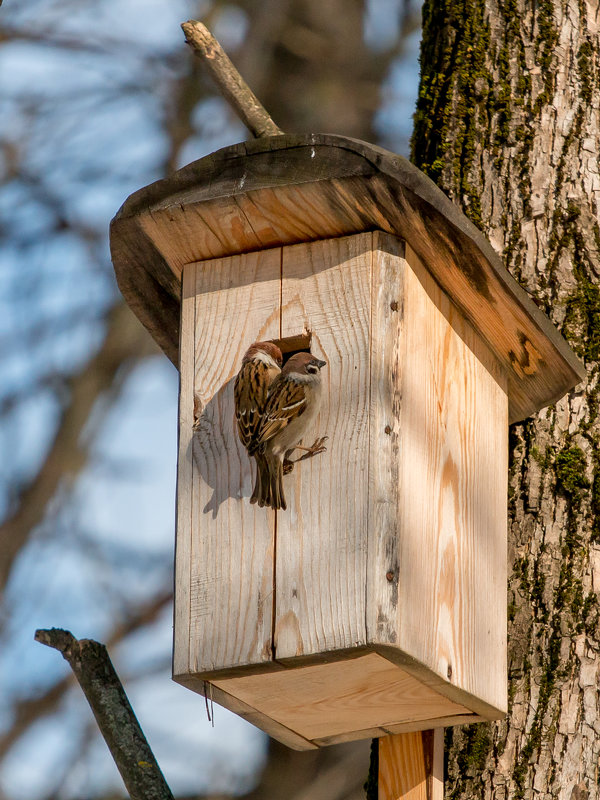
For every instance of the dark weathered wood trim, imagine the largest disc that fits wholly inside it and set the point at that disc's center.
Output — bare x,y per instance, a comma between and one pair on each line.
355,187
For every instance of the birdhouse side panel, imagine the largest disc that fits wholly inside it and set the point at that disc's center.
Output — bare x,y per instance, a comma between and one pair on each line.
321,538
439,573
225,545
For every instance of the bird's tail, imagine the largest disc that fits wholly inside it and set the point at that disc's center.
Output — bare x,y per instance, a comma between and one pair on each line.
260,472
268,488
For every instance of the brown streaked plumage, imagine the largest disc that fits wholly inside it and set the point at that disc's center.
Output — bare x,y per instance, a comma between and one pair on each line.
292,404
260,366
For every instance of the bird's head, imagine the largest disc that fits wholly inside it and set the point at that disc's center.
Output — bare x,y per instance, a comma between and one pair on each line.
303,364
264,351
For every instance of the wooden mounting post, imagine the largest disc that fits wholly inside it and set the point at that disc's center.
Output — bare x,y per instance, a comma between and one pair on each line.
411,766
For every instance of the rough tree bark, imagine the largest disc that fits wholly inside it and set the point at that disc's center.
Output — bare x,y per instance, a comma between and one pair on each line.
507,124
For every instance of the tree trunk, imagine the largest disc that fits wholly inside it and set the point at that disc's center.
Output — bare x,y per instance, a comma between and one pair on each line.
507,125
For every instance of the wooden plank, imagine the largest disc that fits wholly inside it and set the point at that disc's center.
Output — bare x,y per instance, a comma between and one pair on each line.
433,745
204,232
445,604
327,702
237,303
321,538
385,435
440,683
153,294
281,161
442,411
403,727
219,694
293,214
411,766
320,186
185,525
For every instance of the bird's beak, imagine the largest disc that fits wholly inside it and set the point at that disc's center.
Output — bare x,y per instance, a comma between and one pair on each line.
320,363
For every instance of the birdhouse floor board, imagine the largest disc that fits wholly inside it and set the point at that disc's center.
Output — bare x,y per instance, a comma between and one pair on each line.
403,727
327,699
222,697
323,704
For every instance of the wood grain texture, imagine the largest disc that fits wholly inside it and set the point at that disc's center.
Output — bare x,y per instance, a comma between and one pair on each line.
154,295
391,538
287,189
411,766
334,701
387,348
184,518
444,602
231,559
321,538
217,692
402,727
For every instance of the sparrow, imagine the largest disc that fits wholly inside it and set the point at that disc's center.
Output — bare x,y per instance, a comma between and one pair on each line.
292,404
260,365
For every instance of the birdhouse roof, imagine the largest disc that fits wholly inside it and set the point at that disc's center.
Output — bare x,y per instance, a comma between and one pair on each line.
284,190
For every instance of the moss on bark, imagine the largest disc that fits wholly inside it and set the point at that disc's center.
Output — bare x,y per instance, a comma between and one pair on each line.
506,102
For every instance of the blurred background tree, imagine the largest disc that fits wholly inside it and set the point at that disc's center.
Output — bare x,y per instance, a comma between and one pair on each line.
99,99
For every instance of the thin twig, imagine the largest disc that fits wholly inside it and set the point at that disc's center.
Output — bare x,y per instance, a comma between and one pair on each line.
231,84
104,692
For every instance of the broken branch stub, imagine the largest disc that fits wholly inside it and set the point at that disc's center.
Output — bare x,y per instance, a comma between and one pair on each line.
231,84
118,724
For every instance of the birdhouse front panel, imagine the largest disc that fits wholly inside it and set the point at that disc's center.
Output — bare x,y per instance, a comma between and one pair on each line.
375,602
224,547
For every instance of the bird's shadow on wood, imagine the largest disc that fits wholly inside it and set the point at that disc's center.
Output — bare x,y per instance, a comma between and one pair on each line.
221,462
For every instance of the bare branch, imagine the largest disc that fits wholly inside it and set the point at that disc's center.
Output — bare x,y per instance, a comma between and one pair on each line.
93,668
30,710
231,84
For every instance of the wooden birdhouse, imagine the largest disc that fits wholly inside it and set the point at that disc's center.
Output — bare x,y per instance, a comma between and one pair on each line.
376,603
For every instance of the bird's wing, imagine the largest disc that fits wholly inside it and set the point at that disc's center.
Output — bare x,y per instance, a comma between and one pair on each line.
250,394
286,401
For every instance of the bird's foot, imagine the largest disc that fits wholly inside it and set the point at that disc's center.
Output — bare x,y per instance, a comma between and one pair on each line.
314,450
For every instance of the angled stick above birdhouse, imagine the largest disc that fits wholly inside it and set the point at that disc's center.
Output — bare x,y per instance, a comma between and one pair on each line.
231,84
